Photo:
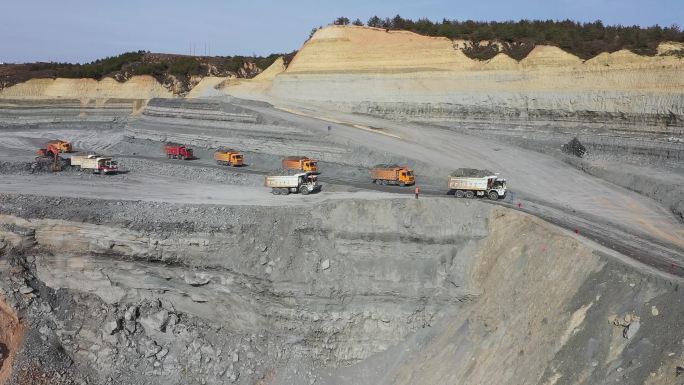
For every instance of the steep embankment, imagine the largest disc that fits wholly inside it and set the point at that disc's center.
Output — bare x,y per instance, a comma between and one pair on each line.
422,292
138,87
249,88
401,74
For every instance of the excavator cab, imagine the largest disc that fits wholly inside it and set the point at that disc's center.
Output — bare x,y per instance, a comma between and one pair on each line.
59,146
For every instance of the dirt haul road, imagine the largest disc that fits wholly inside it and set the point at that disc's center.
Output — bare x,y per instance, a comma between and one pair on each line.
541,184
153,188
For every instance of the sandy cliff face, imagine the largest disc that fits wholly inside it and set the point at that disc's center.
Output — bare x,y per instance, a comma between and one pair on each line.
371,50
386,69
138,87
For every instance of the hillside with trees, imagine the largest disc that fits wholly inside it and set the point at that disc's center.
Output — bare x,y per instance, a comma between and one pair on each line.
518,38
166,68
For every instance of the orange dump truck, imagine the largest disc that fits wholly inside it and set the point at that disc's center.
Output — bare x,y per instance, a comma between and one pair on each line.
402,176
300,163
229,157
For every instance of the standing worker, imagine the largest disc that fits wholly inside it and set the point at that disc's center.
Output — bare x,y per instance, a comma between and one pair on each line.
417,191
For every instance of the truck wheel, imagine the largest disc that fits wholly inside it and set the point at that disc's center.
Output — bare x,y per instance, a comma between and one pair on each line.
182,157
469,194
375,181
383,182
459,194
285,191
304,190
493,195
402,184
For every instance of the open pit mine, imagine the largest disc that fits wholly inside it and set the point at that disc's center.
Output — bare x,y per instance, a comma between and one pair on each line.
380,210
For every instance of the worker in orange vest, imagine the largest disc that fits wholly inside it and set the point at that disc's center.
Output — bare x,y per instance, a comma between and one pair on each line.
417,191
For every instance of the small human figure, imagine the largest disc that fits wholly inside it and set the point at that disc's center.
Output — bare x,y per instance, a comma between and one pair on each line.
417,191
329,128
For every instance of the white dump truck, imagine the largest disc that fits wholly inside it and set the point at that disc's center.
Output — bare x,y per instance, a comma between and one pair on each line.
97,163
286,182
468,186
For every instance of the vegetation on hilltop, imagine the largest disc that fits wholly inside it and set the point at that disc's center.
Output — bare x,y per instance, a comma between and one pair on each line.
518,38
176,71
146,63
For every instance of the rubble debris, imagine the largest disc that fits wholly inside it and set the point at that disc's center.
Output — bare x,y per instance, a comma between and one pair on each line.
156,321
325,264
25,289
574,147
630,330
197,279
131,313
471,173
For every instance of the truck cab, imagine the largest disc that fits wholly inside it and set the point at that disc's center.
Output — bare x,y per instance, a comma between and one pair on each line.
236,159
229,157
310,165
406,176
310,181
107,165
498,185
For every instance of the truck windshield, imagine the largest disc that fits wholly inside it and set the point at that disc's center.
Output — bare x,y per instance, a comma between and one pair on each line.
409,173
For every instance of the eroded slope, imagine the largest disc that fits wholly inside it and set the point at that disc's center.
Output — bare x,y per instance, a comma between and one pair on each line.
425,291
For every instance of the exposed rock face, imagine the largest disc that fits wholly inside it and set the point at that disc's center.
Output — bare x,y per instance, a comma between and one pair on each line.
260,274
428,291
403,75
22,113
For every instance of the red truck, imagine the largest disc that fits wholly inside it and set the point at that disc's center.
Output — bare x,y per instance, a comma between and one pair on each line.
178,151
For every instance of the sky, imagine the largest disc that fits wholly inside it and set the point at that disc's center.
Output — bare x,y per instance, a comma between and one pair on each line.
85,30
